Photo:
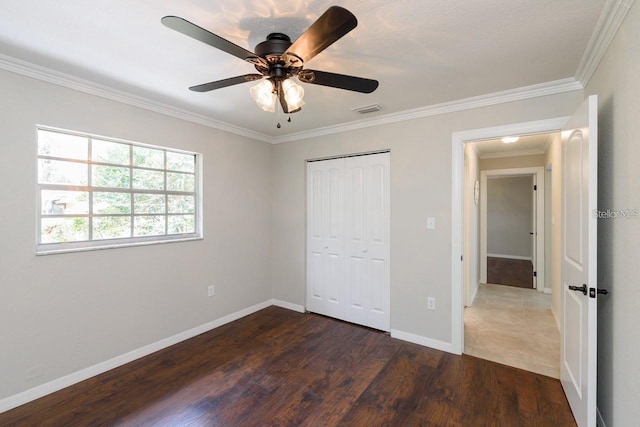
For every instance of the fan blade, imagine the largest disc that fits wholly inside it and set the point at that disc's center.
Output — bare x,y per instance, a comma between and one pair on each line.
341,81
332,25
192,30
206,87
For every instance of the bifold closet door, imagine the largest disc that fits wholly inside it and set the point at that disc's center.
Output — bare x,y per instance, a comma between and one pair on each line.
348,253
325,239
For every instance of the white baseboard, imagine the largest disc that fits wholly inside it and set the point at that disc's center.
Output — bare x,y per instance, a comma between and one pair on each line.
599,420
83,374
424,341
288,305
525,258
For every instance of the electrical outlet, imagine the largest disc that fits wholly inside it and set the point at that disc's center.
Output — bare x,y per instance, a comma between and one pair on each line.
431,303
431,223
211,290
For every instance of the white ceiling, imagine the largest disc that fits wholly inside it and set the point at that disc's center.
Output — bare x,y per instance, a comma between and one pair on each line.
423,52
527,145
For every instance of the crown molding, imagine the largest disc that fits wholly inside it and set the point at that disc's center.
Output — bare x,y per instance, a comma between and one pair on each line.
61,79
607,27
48,75
542,89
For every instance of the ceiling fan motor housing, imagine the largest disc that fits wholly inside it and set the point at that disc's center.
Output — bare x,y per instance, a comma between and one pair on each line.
273,50
275,44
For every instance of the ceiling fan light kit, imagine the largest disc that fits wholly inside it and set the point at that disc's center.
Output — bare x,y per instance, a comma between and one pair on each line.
278,60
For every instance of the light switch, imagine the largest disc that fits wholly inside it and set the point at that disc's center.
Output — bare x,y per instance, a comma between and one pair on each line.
431,223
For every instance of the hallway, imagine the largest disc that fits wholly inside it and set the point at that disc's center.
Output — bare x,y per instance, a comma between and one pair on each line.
515,327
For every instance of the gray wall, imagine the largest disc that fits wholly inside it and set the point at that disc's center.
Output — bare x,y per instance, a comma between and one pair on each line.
510,216
420,187
103,304
617,84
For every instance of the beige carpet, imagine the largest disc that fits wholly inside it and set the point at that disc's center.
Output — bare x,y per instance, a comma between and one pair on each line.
515,327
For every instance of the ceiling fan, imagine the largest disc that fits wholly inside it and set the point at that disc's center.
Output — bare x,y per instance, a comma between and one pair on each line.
277,60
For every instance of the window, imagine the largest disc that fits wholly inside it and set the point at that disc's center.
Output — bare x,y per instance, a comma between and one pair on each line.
97,192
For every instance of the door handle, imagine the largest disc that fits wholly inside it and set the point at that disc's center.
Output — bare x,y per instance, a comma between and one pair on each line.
582,289
594,291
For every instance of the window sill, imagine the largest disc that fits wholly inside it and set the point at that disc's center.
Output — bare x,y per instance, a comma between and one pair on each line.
61,249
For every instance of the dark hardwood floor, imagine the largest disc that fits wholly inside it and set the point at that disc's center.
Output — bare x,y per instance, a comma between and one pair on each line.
282,368
511,272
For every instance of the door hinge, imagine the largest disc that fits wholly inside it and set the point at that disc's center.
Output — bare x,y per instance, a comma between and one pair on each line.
535,274
535,188
461,257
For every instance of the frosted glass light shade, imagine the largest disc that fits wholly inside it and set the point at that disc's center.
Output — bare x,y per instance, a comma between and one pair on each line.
293,94
264,95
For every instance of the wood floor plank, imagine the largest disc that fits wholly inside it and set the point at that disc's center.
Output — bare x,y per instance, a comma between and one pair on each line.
282,368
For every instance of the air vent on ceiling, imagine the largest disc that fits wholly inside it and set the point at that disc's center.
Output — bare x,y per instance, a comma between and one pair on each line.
367,109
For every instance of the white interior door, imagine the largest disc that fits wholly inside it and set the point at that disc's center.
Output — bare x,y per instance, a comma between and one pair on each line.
579,326
325,236
348,231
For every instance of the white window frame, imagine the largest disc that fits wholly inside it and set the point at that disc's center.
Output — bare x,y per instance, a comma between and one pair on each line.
89,245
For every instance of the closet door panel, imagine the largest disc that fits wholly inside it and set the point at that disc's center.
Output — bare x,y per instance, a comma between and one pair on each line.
325,212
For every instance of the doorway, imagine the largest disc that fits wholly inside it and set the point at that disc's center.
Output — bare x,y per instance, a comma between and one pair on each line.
511,230
575,164
460,145
509,321
512,215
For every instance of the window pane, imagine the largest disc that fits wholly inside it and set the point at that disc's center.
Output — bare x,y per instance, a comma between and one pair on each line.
64,202
149,203
181,204
148,157
148,180
181,224
181,162
57,144
111,203
148,225
180,182
94,188
110,176
59,172
109,152
111,227
56,230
